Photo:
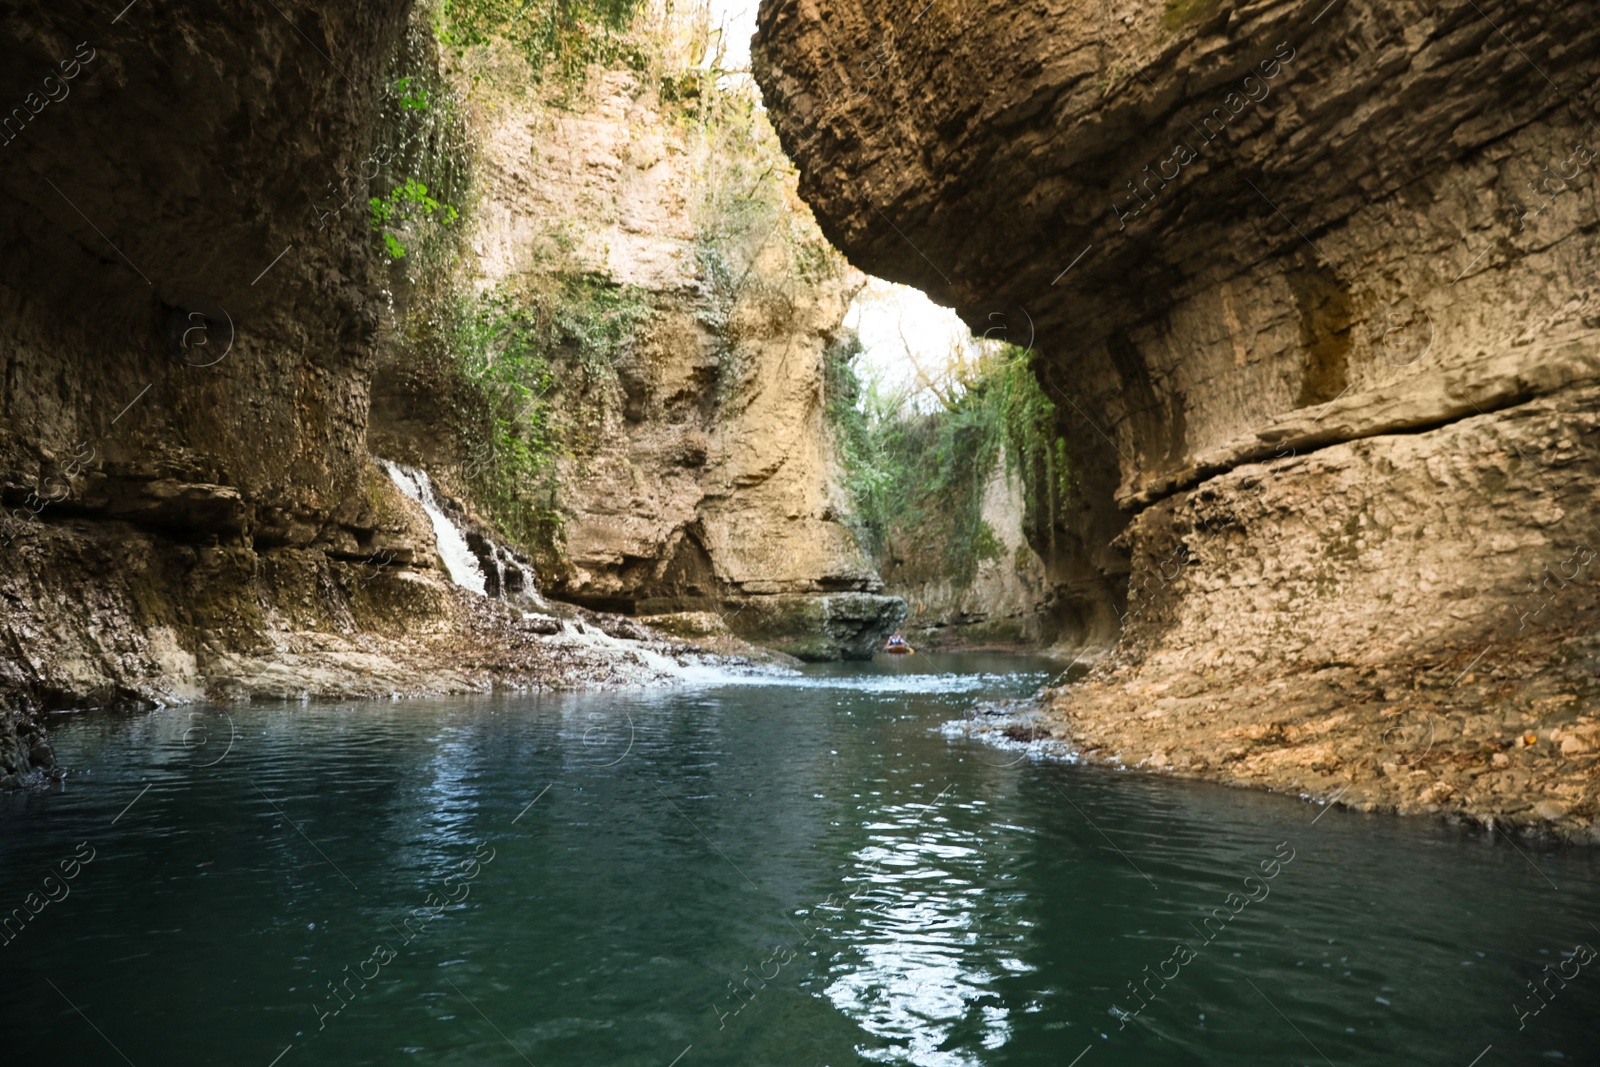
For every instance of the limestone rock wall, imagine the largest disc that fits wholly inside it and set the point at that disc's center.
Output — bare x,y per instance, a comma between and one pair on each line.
1314,286
25,753
1233,243
183,350
704,475
190,313
1006,602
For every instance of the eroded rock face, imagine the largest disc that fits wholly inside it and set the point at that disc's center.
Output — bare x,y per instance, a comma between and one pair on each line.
703,477
184,350
1006,600
25,754
1314,287
816,628
190,315
187,334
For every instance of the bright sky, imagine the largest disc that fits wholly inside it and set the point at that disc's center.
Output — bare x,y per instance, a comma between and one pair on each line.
885,315
890,319
739,19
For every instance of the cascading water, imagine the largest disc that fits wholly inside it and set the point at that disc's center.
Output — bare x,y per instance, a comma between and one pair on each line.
459,561
467,569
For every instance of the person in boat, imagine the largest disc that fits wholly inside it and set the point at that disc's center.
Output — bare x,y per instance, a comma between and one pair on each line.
897,644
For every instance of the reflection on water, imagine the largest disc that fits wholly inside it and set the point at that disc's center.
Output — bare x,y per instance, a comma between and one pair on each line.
926,945
785,869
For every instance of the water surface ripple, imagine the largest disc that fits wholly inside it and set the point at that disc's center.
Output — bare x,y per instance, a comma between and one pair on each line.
770,869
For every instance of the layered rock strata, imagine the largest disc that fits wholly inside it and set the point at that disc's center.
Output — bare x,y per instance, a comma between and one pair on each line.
183,463
191,318
1313,286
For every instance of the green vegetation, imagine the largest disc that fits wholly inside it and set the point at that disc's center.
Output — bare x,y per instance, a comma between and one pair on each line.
422,162
744,210
535,364
406,207
756,243
1180,13
525,374
562,37
411,99
917,477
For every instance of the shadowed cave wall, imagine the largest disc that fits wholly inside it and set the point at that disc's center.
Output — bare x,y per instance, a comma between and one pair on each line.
183,416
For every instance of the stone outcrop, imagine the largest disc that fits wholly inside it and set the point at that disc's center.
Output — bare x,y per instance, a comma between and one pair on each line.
184,351
810,627
25,754
186,343
1313,286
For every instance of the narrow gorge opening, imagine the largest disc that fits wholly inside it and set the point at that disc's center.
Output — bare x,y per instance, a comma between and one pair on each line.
952,462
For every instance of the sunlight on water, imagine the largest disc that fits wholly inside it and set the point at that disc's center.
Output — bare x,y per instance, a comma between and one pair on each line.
919,971
908,683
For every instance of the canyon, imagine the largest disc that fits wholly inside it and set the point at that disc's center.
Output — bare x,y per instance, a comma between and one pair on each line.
436,432
1308,288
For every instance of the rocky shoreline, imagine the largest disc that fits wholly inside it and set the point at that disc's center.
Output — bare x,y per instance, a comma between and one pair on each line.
1503,748
1331,428
495,648
25,754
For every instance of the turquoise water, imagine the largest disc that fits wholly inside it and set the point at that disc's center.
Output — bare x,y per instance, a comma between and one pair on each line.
792,871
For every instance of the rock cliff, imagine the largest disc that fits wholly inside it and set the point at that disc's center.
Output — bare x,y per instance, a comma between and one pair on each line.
1006,600
1313,285
192,316
185,352
692,470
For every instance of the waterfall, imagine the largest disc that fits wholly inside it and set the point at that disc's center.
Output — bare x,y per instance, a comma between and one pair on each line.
458,558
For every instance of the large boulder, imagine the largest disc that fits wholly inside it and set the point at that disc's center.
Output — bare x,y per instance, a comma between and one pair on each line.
817,628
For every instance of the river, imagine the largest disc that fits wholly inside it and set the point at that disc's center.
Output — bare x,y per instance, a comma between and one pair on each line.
794,870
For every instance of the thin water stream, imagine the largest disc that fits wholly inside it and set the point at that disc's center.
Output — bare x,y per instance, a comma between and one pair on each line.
795,870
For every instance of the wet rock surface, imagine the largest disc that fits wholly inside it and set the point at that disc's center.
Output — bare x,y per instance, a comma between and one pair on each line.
184,350
1512,748
25,754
